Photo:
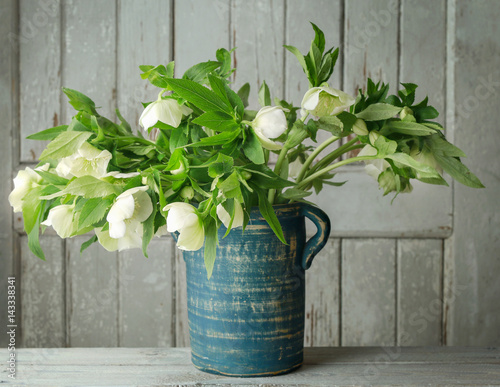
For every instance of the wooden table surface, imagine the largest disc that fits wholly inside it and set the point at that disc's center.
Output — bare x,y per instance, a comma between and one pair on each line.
322,367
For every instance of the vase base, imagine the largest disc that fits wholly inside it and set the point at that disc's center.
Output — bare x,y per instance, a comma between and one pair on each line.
249,375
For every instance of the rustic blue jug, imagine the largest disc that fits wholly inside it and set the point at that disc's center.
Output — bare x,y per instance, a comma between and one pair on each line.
248,318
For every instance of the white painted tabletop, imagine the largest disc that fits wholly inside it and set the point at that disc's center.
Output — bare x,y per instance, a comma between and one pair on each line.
322,367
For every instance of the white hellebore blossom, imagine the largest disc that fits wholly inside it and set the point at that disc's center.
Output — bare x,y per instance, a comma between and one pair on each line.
325,101
225,217
270,122
373,167
24,182
125,216
166,110
62,221
88,160
183,217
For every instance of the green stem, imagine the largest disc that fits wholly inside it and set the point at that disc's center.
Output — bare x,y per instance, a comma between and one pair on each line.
277,170
313,155
334,155
279,163
317,174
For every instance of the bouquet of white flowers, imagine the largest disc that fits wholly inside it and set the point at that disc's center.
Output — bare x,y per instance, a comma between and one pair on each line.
202,158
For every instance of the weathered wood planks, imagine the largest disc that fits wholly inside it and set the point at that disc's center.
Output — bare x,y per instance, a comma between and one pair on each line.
448,47
8,106
385,366
473,258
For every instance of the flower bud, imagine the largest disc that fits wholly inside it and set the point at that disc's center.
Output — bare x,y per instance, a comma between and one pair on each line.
246,175
373,136
187,192
270,122
325,101
387,181
360,128
407,113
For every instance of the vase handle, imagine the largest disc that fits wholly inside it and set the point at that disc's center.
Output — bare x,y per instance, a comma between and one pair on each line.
318,241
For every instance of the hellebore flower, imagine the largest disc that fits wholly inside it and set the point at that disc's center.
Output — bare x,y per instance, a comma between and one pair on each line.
166,110
225,216
130,240
125,216
426,158
325,101
270,122
61,220
294,168
88,160
24,182
131,207
373,167
183,217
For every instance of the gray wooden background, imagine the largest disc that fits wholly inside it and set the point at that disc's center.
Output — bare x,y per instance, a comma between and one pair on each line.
423,271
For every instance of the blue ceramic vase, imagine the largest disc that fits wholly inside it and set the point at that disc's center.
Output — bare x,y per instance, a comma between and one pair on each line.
248,318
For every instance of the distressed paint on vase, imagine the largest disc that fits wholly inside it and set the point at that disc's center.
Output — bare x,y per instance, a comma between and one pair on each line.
248,319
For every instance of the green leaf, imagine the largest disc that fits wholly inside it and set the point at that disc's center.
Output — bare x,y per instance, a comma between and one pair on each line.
295,194
264,95
217,120
385,146
123,123
264,177
170,69
217,86
319,38
87,187
148,226
403,158
211,241
80,101
439,145
224,58
52,178
378,111
222,165
235,101
34,242
267,211
253,149
199,95
244,93
406,127
48,134
295,51
93,211
88,243
65,144
31,209
313,59
179,137
231,187
219,139
332,124
198,72
458,171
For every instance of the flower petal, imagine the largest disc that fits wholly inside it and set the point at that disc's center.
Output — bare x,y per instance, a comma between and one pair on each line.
143,206
192,236
61,220
178,214
122,209
311,98
117,229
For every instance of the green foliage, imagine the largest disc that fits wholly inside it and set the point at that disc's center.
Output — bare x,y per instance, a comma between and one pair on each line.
207,148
